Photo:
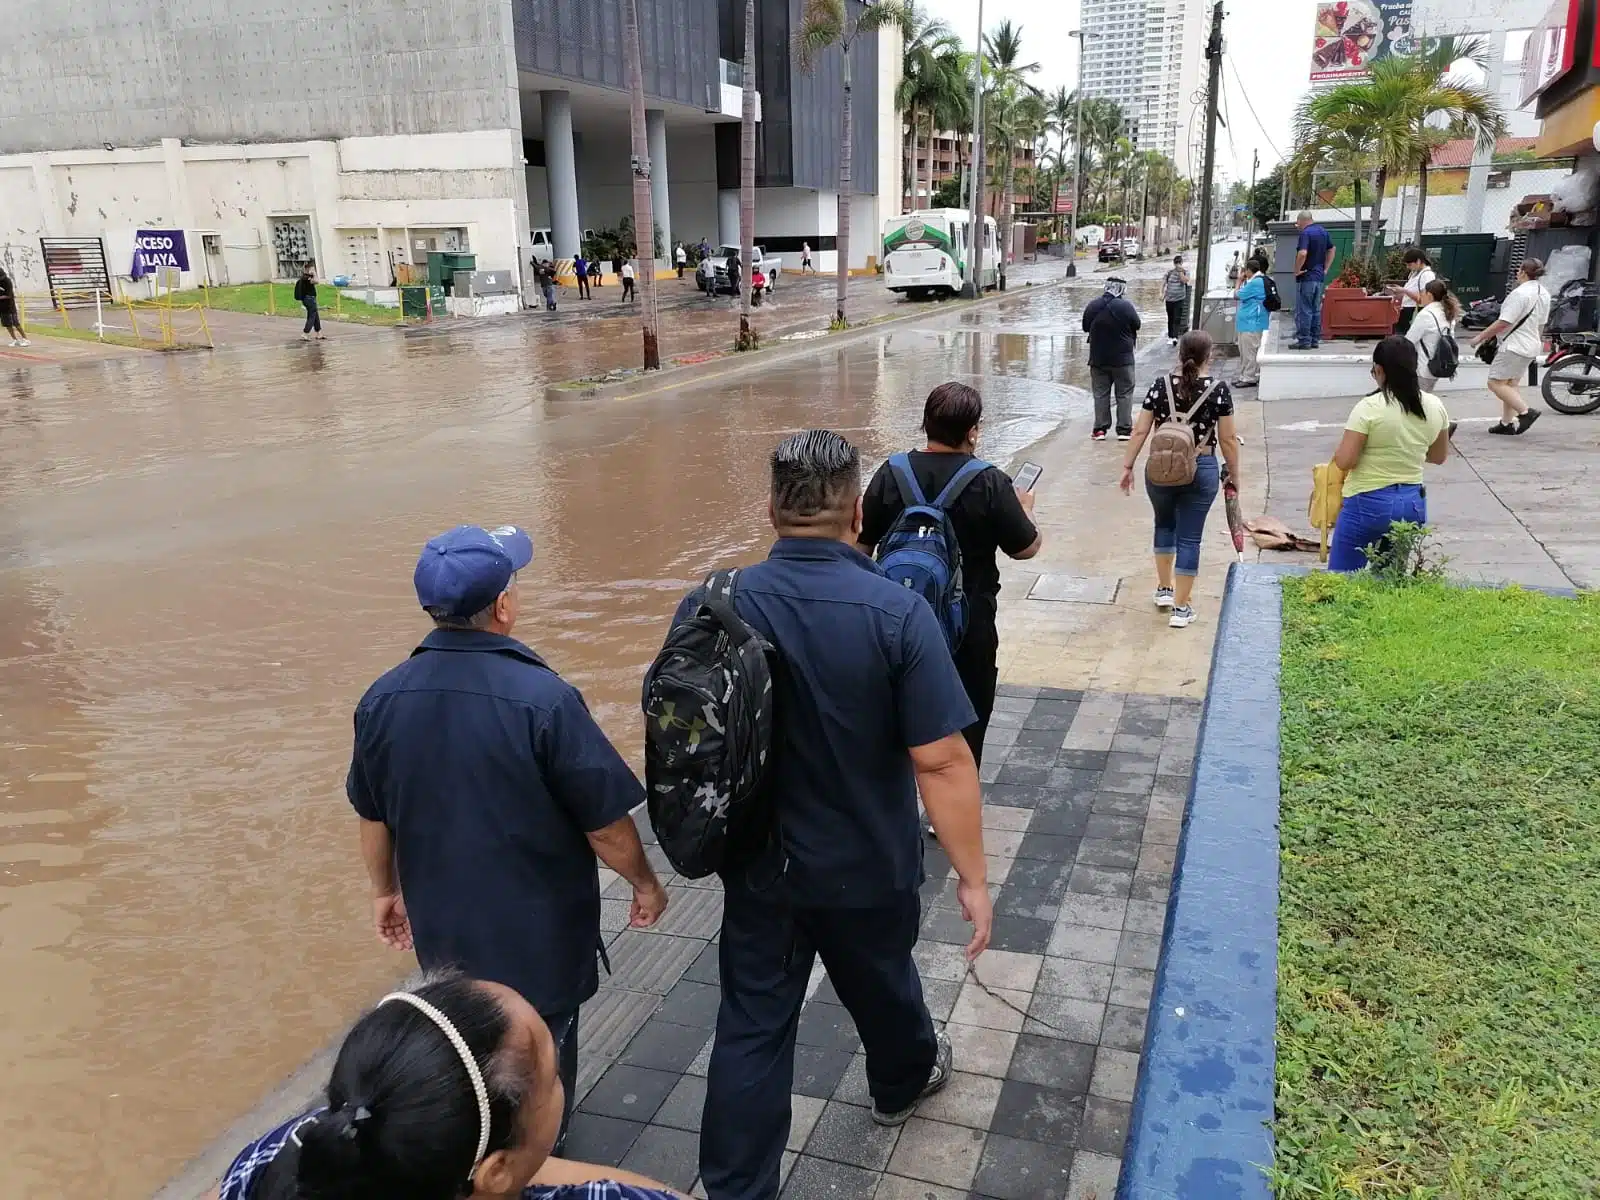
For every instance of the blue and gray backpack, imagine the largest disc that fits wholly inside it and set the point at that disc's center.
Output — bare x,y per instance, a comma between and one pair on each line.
921,552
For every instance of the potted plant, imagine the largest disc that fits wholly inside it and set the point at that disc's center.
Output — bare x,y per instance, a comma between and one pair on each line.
1349,309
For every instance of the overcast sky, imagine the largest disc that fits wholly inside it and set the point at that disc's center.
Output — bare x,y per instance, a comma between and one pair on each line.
1268,42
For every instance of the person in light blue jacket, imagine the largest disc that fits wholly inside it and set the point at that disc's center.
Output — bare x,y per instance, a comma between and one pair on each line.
1253,322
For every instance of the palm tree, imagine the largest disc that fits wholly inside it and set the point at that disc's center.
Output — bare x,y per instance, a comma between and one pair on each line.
926,85
1347,150
747,176
1015,109
826,25
1467,111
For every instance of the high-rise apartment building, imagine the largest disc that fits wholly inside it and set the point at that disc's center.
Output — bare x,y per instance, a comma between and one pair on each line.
1149,57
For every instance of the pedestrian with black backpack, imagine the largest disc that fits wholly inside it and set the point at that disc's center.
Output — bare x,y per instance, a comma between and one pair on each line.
1432,332
855,707
951,552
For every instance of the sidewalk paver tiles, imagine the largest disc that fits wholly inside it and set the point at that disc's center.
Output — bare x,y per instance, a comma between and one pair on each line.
1083,792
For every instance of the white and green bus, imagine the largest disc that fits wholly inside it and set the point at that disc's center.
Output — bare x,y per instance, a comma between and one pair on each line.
926,252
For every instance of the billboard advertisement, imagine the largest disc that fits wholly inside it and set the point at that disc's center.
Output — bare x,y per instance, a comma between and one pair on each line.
1353,34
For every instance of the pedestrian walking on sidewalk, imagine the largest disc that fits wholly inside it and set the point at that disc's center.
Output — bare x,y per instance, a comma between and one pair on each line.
8,310
1235,268
485,791
869,709
1252,323
627,280
545,271
580,268
681,257
1519,337
1388,438
450,1088
805,258
305,291
1313,261
990,516
1413,291
596,273
1435,322
1175,291
1112,324
1201,410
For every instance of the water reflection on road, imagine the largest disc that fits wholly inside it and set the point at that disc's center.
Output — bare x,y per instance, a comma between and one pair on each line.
203,561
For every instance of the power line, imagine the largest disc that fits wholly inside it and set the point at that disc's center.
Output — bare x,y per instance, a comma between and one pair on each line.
1259,125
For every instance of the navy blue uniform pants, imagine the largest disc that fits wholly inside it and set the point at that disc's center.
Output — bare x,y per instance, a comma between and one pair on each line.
766,955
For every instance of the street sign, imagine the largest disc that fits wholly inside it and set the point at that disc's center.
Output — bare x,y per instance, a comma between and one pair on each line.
157,248
1064,204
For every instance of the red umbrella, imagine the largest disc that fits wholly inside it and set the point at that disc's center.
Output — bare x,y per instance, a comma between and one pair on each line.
1230,496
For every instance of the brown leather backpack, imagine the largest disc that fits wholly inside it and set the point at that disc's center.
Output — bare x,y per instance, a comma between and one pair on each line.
1174,452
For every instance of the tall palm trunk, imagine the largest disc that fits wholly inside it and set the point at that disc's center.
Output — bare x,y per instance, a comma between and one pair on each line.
747,177
644,224
1006,206
1422,195
846,153
1356,233
1377,208
916,133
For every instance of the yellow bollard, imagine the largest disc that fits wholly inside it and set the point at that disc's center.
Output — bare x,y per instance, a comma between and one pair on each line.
272,300
338,302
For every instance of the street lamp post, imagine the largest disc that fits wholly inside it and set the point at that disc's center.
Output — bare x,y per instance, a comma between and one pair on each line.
973,285
1077,150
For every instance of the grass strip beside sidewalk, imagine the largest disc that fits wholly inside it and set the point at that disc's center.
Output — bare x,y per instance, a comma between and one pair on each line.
253,298
1439,942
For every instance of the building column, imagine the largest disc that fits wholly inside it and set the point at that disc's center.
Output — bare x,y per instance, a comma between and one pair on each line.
655,130
1478,178
561,172
728,216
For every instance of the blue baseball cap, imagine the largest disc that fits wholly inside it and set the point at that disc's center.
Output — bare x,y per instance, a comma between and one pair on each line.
461,572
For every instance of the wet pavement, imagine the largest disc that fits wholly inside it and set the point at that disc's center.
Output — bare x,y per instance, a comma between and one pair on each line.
204,559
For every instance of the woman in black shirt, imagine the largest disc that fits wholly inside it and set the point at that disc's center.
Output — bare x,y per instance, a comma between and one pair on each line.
989,516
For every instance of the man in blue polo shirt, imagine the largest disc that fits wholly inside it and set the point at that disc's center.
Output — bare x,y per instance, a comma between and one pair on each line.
485,790
1312,261
868,710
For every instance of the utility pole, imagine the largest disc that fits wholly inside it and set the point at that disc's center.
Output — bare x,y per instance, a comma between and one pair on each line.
1250,209
1077,150
1202,272
644,224
975,228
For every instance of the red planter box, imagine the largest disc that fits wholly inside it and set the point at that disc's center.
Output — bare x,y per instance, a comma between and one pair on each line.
1351,313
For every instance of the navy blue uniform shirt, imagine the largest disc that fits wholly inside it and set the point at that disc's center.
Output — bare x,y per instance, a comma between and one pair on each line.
488,771
865,675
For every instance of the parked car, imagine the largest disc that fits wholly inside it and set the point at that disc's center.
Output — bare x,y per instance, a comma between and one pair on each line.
1131,248
1110,252
712,273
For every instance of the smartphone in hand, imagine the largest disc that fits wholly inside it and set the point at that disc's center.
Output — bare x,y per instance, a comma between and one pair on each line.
1028,477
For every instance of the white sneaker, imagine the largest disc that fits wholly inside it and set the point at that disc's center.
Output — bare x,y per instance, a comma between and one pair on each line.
24,342
14,342
1182,617
1164,597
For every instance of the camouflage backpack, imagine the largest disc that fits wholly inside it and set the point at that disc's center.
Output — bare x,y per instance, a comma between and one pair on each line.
708,735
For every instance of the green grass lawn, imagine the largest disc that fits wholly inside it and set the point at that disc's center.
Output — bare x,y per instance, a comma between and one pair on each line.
1439,974
252,298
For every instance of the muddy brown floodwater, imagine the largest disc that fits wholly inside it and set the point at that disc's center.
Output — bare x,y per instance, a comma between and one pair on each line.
205,560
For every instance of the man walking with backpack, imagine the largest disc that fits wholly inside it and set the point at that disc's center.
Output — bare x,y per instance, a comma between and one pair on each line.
866,709
1112,324
985,515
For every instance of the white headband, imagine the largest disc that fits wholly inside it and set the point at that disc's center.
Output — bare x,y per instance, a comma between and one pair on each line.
467,1061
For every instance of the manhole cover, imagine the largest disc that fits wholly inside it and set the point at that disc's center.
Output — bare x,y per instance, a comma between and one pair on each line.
1075,589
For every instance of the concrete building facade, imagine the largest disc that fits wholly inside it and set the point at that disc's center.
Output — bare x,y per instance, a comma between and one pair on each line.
363,133
1148,56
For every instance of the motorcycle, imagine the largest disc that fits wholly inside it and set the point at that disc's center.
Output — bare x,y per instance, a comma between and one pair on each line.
1571,382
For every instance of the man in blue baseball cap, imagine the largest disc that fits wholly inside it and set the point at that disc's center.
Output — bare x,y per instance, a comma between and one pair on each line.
485,791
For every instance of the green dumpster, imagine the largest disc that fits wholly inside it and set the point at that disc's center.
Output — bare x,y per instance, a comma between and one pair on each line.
415,298
1463,259
443,265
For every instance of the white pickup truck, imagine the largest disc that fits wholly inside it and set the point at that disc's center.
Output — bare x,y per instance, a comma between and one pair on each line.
712,273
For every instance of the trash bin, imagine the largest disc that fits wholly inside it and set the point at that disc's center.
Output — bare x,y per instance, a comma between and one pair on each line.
442,266
1219,316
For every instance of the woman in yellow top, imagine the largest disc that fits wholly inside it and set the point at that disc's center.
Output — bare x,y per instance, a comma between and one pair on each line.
1389,436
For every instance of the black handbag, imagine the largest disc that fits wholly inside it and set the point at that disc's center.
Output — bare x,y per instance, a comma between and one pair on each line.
1490,347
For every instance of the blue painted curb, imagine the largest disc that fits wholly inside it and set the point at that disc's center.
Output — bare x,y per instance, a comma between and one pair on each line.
1200,1128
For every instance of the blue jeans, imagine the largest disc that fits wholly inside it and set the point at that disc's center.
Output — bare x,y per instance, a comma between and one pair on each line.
1308,313
1366,517
1181,514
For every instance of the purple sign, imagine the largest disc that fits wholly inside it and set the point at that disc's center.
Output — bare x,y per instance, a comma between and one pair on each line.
157,248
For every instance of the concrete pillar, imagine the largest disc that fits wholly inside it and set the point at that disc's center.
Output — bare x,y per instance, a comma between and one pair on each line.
1478,178
655,129
561,172
728,216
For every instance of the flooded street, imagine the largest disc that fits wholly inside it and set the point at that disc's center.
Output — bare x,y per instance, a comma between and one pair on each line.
204,560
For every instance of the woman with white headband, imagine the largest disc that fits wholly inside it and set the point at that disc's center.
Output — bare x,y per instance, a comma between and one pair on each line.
445,1091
